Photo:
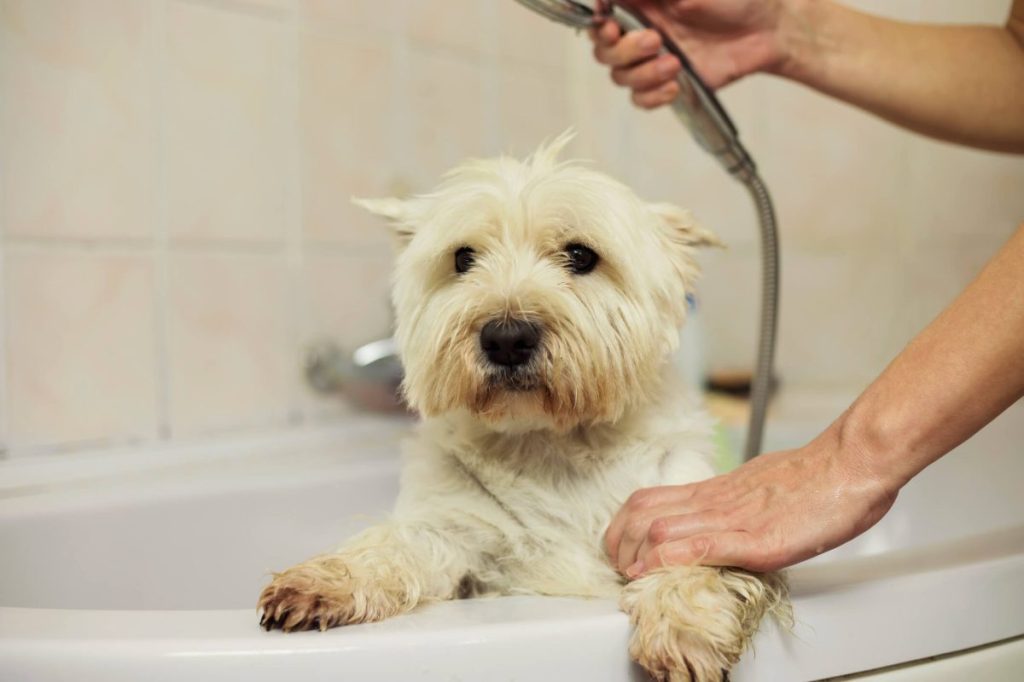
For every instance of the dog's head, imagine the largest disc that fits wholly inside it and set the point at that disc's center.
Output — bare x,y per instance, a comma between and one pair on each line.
537,293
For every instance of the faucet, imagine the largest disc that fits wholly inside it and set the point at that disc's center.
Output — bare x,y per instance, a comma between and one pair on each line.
370,377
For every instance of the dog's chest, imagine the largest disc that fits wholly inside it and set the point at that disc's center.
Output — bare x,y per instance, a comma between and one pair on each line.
572,499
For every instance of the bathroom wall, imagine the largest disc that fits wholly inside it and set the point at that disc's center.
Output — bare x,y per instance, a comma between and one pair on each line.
175,176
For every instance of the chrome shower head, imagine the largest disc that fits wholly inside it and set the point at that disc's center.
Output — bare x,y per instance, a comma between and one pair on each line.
696,105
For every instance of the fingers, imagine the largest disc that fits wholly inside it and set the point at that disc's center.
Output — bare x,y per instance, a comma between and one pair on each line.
608,33
636,64
633,537
649,75
643,503
611,48
711,549
666,529
656,98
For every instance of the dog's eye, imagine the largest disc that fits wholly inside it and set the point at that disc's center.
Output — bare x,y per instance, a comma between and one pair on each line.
464,258
581,259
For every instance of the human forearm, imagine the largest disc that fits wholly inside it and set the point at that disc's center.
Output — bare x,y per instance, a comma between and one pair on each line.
961,372
959,83
784,507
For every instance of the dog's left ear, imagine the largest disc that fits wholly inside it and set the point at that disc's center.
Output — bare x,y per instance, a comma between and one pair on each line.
682,228
397,211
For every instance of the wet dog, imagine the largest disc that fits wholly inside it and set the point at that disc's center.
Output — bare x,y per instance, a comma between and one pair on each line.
538,303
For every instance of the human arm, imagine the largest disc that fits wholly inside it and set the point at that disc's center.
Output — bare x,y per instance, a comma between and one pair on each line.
781,508
962,84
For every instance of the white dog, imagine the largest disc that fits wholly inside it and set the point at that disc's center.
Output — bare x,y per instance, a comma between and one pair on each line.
537,306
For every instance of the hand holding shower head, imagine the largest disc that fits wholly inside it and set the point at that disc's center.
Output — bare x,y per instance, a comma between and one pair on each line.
702,114
696,105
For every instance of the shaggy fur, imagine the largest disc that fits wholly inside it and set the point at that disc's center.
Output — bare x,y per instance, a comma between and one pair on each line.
514,476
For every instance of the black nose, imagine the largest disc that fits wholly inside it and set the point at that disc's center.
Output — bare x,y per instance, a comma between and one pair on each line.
509,342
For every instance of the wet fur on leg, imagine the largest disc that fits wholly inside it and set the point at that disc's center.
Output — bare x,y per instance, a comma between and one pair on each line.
692,623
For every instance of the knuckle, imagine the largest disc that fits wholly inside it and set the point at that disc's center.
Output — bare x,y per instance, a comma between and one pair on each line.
637,529
639,500
659,531
702,546
618,76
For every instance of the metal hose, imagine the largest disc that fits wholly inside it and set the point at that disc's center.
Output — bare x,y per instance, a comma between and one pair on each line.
762,384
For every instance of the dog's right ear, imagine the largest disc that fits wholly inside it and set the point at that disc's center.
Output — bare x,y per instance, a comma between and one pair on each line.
397,211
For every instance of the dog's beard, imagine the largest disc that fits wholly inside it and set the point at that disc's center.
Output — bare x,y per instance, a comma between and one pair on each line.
514,379
506,387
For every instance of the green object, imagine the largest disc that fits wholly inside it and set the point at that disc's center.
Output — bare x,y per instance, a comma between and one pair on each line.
727,449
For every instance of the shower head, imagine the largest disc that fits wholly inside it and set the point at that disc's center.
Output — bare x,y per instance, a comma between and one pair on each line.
696,105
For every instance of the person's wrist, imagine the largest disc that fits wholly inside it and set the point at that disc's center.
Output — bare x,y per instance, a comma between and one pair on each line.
871,447
799,39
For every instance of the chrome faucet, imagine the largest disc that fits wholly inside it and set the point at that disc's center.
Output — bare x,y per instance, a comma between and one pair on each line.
370,377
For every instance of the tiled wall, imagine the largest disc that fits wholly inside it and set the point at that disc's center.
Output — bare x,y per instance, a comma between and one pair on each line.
175,176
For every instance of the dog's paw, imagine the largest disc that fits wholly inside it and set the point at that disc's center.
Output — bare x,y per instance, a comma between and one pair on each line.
670,654
322,593
692,623
288,608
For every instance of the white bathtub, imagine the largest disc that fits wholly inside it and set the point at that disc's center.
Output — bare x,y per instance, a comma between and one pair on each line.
147,566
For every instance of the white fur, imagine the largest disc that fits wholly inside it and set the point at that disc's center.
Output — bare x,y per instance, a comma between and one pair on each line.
510,491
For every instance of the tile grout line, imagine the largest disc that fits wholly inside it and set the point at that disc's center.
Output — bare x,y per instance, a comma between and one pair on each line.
403,149
5,423
492,77
238,7
158,36
294,252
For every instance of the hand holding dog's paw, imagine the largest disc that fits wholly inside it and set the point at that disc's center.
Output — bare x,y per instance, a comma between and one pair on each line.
691,624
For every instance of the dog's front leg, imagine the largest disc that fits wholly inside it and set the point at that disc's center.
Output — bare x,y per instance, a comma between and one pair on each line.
383,571
693,622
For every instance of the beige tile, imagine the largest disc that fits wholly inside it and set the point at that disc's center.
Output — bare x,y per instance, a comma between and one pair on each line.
277,7
839,176
226,103
526,36
841,315
447,113
458,24
344,298
728,298
602,116
954,11
350,16
533,107
838,316
905,10
75,126
346,115
230,364
81,360
958,197
4,431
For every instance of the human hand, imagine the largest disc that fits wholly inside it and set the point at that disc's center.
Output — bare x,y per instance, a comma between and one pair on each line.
774,511
723,39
